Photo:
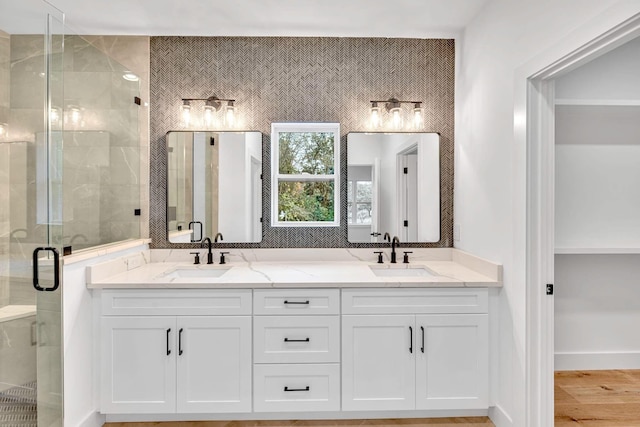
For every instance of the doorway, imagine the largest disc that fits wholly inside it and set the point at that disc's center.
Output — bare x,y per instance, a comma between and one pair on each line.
541,224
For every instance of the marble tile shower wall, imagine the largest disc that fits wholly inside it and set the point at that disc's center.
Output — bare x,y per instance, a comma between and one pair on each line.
291,79
101,153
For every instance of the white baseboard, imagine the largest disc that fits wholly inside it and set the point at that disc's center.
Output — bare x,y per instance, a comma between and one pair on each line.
499,417
94,419
329,415
596,361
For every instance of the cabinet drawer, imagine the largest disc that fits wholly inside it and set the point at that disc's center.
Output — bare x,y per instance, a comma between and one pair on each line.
296,301
176,302
415,301
296,339
293,388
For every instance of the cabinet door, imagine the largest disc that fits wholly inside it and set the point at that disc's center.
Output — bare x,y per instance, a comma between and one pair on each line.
378,362
452,361
138,364
214,364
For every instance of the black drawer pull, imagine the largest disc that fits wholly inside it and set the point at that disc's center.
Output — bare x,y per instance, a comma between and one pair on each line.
422,348
168,350
296,389
297,302
180,342
290,340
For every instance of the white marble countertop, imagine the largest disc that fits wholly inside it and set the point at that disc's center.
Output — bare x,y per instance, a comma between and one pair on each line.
445,268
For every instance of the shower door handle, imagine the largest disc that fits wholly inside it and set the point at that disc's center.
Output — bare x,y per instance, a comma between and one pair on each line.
193,239
56,269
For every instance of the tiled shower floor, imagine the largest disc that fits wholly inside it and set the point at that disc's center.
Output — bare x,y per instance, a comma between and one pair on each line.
18,406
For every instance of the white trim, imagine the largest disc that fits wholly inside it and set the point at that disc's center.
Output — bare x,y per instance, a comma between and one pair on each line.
94,419
593,361
540,195
499,417
276,176
327,415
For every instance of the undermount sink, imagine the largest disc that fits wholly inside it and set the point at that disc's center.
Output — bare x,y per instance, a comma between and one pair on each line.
195,273
401,272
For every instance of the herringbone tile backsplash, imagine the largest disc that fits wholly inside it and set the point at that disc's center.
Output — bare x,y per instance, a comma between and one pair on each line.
300,79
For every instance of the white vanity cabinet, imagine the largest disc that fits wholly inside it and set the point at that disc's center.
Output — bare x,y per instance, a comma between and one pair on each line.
185,351
296,343
422,349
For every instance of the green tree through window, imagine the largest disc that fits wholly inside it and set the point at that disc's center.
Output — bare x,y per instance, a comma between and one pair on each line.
305,178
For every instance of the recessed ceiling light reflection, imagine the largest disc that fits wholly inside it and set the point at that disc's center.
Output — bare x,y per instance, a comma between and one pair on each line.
130,76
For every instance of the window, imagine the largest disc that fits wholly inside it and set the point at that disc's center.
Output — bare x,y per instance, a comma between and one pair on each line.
305,164
359,202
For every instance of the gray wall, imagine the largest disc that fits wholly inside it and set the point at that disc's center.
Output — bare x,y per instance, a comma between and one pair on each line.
276,79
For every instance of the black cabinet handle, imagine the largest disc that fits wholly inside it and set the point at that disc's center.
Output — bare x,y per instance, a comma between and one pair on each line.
296,389
410,339
297,302
168,350
290,340
422,348
180,342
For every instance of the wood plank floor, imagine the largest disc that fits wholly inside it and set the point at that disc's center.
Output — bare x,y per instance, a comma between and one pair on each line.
409,422
597,398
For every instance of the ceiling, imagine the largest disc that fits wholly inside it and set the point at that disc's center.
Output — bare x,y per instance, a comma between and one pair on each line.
344,18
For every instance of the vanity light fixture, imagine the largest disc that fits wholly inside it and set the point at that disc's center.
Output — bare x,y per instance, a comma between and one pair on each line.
375,115
396,114
185,112
418,120
396,119
212,105
230,114
4,130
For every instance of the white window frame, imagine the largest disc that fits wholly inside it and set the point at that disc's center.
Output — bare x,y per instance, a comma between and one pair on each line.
276,177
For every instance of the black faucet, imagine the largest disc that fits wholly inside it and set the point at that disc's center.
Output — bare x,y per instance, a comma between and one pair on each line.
209,255
395,243
215,240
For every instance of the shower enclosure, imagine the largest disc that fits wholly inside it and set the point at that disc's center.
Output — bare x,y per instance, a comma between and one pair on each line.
69,180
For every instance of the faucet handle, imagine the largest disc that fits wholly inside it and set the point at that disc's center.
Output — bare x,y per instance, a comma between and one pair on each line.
379,257
197,258
406,257
222,261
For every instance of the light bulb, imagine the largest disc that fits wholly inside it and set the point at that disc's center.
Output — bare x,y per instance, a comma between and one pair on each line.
375,119
185,110
229,115
209,116
418,121
74,115
54,116
4,130
396,118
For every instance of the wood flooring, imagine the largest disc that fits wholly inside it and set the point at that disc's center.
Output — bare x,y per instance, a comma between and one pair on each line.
597,398
407,422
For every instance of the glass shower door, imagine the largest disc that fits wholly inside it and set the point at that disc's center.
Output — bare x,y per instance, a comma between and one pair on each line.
30,215
46,257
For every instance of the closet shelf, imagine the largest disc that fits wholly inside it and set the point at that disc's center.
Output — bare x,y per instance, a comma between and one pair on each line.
599,102
596,251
